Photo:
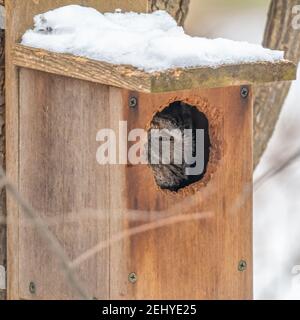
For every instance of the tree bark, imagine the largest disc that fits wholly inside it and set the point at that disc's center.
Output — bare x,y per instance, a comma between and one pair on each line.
269,99
2,162
177,8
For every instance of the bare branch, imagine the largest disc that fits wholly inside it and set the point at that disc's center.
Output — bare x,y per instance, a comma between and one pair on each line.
275,171
177,8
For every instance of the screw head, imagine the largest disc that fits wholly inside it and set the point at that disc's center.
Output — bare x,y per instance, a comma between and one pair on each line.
32,288
242,265
132,278
244,92
133,102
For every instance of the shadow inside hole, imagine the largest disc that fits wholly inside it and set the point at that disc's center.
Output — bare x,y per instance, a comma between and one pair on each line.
178,116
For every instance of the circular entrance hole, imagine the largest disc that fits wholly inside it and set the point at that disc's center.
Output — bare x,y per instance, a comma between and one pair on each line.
178,146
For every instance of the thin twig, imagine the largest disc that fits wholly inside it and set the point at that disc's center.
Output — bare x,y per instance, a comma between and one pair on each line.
45,234
138,230
275,171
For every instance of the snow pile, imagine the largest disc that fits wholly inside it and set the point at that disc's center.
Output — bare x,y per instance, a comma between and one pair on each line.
152,42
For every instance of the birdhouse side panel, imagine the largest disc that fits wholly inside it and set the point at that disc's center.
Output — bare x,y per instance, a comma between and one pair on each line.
62,182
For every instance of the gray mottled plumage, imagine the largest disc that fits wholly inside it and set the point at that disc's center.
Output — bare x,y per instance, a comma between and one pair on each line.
177,116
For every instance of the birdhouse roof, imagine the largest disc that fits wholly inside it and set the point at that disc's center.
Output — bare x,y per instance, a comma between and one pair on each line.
128,77
142,52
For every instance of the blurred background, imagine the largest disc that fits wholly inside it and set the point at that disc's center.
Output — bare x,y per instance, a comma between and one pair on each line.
277,200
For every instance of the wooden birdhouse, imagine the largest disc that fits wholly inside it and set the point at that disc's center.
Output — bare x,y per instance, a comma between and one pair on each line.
126,231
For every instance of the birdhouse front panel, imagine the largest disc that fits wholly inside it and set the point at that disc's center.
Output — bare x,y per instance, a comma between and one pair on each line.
176,239
189,241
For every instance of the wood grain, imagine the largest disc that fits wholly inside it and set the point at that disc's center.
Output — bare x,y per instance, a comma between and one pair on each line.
19,17
131,78
81,68
192,259
62,181
3,258
88,204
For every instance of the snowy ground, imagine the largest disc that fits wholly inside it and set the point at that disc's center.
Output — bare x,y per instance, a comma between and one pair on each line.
277,202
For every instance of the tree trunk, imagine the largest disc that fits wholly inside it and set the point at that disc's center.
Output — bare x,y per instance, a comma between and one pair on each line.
2,161
269,99
177,8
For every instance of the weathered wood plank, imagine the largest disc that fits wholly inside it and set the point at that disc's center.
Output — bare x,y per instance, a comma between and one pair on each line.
191,259
81,68
131,78
188,260
224,76
72,193
19,17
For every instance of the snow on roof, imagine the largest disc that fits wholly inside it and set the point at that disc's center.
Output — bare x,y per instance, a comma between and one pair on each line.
151,42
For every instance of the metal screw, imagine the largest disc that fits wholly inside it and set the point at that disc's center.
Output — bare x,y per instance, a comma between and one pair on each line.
132,278
244,92
32,288
133,102
242,265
